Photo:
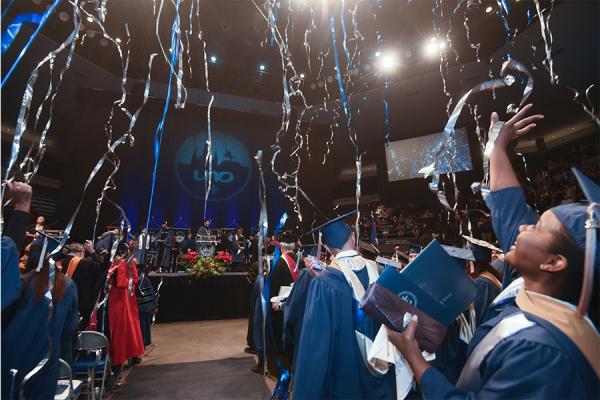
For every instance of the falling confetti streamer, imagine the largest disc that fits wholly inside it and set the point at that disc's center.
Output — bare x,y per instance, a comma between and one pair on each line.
159,133
38,29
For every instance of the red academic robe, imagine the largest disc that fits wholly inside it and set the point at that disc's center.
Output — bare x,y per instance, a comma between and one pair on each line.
125,333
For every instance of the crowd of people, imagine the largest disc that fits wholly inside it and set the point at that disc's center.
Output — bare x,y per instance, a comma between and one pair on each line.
52,293
530,332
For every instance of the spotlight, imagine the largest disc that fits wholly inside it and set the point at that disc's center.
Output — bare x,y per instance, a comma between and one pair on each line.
262,67
431,48
90,19
213,59
377,53
489,9
118,40
301,76
388,63
434,46
63,16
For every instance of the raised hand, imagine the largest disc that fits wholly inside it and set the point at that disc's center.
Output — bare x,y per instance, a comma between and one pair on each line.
517,126
20,193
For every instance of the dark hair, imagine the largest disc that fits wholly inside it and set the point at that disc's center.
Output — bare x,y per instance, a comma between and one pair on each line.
571,287
41,283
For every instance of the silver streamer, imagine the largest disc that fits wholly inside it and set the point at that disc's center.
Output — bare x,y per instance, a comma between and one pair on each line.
263,226
288,182
507,80
208,165
24,110
547,36
42,142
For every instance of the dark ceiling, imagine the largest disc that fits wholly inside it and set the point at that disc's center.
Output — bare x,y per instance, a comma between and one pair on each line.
238,36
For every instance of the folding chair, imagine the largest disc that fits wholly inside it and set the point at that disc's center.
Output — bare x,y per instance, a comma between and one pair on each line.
91,361
67,388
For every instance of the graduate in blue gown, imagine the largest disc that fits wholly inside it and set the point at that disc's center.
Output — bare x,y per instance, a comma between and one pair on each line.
535,345
329,362
295,306
37,331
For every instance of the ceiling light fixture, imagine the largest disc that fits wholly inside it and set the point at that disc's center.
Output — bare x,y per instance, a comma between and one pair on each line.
388,63
489,9
262,67
90,19
118,40
213,59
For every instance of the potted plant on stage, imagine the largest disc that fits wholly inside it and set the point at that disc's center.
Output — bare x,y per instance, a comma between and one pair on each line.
199,266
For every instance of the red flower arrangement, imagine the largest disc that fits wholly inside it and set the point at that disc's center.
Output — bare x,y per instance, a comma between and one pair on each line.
199,266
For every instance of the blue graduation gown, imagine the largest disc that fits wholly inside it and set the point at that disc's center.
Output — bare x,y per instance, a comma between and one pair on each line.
535,363
25,341
509,211
294,308
329,363
486,294
61,328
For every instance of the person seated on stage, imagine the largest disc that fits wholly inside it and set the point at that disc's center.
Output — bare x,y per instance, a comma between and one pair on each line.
535,344
188,244
223,242
238,250
330,361
165,243
204,230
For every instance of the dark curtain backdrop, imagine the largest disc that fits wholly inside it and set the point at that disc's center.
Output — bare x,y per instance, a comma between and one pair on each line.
179,187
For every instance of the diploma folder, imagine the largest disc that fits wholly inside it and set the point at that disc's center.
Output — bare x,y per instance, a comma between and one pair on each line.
434,286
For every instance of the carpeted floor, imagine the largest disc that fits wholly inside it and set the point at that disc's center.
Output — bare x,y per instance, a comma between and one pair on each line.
219,379
196,360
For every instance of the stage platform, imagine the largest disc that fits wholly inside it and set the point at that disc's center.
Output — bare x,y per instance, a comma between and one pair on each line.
183,298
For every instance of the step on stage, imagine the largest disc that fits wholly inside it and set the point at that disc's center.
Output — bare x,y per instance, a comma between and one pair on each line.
183,298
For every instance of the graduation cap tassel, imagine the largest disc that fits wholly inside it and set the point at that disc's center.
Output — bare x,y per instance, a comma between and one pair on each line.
591,225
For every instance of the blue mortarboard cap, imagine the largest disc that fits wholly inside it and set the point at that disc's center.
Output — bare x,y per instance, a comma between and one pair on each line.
573,216
459,253
335,232
590,189
309,249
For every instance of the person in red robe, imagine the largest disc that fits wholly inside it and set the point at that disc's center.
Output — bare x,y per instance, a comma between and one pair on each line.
125,333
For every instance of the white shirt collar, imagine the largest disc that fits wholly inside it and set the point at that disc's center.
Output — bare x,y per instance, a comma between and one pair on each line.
346,253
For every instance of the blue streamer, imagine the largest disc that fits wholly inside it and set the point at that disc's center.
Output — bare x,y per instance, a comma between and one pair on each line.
10,33
387,115
10,3
344,42
159,133
31,39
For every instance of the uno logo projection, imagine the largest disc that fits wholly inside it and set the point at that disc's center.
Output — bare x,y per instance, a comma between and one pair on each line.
231,166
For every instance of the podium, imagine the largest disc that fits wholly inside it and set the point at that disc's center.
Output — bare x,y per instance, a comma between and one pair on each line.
206,245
